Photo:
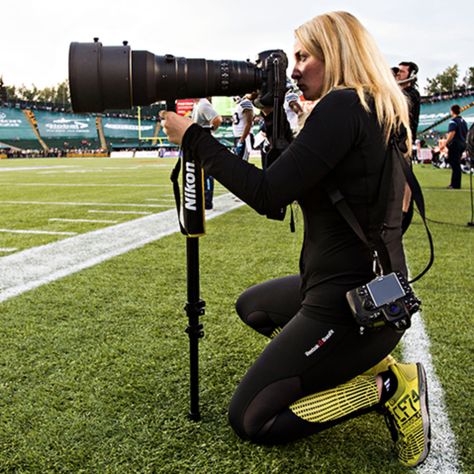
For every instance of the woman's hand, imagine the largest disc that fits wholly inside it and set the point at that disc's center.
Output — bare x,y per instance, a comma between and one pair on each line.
174,126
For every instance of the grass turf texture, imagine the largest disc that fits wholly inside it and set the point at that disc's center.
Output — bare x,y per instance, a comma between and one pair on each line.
94,367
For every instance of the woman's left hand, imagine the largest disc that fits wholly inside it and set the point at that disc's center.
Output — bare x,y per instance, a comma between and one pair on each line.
174,126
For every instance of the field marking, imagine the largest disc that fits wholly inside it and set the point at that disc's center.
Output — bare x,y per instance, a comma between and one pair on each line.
100,211
31,268
56,203
86,185
39,232
92,221
8,249
33,168
443,457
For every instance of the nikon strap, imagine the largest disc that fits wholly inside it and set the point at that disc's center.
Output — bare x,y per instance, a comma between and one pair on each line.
191,209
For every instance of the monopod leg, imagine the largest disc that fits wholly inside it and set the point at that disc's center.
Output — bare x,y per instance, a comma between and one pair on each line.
194,309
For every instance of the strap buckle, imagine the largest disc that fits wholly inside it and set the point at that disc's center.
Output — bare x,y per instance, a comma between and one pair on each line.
376,264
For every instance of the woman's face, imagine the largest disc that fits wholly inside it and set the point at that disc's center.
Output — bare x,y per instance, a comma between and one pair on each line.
308,73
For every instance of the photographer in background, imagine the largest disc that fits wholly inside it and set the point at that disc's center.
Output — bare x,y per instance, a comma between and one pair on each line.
242,120
206,116
407,79
406,75
319,369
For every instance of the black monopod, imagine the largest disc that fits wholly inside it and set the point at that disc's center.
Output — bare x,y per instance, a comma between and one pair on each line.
117,78
192,224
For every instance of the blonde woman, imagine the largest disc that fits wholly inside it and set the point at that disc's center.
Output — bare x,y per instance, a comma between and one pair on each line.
319,370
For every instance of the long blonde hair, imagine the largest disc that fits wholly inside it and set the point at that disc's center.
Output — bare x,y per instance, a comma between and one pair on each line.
353,60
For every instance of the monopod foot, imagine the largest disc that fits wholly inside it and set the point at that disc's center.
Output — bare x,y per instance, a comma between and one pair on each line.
193,416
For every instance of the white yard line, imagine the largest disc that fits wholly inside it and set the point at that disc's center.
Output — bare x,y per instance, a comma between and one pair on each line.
32,168
92,221
66,203
7,249
31,231
87,185
100,211
37,266
443,458
160,200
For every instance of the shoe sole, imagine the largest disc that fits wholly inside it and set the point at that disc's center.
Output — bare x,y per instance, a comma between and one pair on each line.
425,414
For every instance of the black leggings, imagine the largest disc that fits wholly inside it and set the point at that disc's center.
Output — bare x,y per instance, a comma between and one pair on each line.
312,353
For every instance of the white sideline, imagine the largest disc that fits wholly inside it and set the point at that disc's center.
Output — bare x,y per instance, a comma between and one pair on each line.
443,457
37,266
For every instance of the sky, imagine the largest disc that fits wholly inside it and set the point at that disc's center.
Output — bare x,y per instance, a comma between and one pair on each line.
35,34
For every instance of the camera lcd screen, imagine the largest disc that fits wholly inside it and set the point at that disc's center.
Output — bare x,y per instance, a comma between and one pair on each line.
385,289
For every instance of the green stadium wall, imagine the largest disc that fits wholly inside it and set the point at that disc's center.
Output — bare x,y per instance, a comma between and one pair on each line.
15,129
431,113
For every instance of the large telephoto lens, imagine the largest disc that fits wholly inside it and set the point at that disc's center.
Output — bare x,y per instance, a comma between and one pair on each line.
114,77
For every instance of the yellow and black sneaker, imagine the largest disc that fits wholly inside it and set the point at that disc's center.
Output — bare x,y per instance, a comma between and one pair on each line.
407,414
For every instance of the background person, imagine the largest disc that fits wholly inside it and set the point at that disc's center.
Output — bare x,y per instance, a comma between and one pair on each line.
456,144
406,75
206,116
242,120
293,111
319,370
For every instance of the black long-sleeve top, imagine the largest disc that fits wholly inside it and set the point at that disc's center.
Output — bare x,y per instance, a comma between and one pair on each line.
339,139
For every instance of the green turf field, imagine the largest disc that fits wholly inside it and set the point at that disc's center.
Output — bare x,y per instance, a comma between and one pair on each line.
94,366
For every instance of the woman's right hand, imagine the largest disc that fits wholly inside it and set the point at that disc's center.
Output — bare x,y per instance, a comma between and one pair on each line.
174,126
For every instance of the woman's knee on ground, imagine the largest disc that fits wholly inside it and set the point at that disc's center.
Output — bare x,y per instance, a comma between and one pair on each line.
253,421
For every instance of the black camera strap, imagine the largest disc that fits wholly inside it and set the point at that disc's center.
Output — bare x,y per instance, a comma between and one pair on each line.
375,243
417,197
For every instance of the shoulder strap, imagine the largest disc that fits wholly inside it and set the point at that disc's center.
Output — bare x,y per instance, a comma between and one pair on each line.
376,244
374,241
419,201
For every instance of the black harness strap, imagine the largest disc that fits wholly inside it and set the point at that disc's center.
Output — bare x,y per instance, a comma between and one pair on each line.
375,241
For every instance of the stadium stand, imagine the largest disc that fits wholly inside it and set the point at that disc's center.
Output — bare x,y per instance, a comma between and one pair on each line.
16,131
39,129
62,130
435,110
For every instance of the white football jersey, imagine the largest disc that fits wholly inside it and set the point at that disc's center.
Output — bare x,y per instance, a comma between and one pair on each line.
238,121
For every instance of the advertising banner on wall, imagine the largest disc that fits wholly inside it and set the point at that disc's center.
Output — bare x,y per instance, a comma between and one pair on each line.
58,125
127,128
14,125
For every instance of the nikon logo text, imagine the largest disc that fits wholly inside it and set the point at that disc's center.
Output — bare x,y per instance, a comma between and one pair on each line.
190,186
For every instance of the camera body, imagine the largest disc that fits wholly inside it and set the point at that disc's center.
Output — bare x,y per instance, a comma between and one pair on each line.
386,300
